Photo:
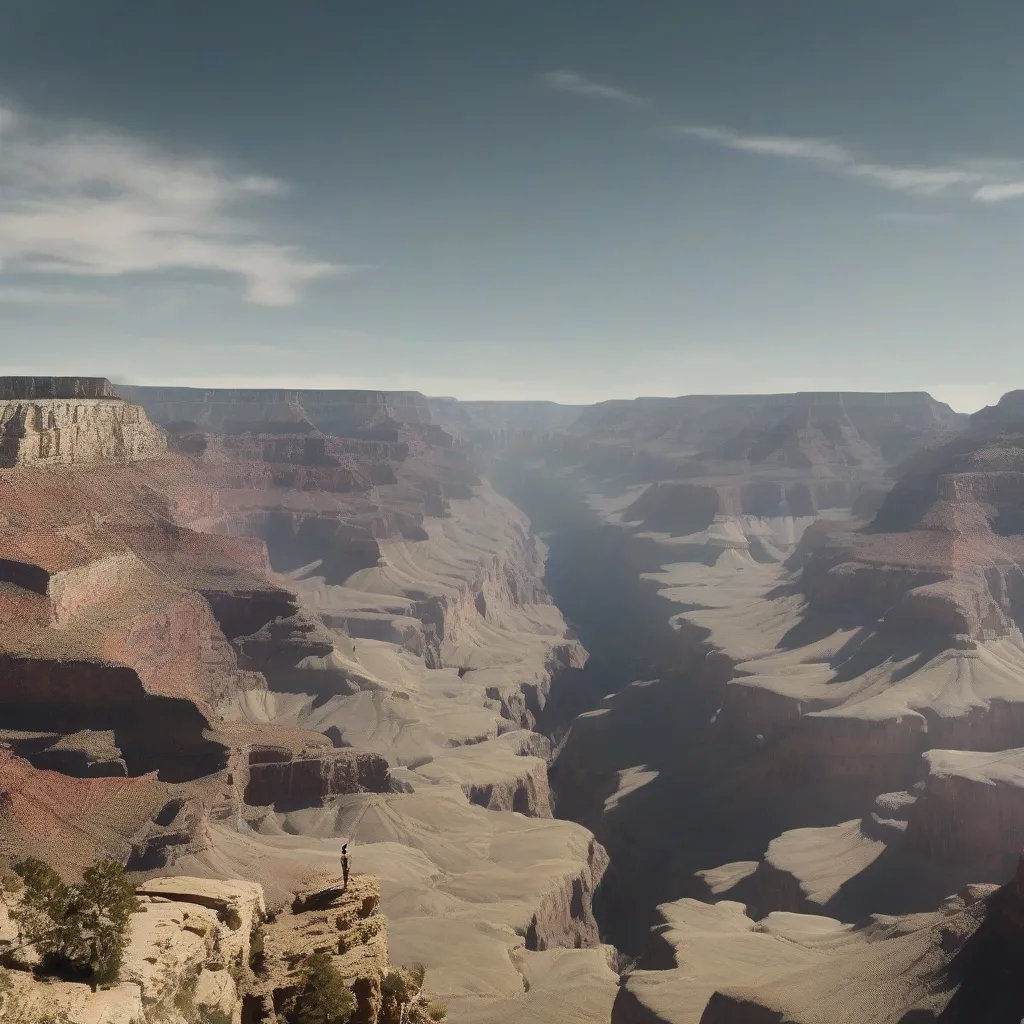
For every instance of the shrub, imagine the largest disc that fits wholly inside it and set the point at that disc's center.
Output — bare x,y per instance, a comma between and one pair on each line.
9,880
79,928
323,997
185,997
437,1012
394,987
212,1015
401,995
417,972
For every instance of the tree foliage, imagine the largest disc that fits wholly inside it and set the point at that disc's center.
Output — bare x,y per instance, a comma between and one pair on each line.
79,928
403,1000
323,997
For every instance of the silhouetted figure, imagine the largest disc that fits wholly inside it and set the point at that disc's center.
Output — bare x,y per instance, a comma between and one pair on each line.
344,866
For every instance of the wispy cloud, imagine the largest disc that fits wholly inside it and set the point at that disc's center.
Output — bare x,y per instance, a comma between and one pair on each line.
580,85
53,297
982,181
89,202
997,192
821,151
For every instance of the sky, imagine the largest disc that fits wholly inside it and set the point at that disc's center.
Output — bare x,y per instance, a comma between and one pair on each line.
572,200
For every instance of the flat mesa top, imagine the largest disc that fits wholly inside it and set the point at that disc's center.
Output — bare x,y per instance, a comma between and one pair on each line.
33,388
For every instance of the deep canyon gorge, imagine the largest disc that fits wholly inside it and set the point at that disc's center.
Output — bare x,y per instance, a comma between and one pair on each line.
704,709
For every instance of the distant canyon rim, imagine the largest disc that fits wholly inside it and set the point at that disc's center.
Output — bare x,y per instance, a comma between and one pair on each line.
704,709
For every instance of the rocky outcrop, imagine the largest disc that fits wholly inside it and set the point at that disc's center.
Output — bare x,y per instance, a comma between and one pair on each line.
87,753
277,779
970,808
565,916
502,773
199,947
41,812
346,924
188,952
177,829
676,508
75,423
77,695
268,410
33,389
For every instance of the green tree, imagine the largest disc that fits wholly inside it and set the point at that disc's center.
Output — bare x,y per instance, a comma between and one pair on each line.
81,927
104,902
323,998
43,911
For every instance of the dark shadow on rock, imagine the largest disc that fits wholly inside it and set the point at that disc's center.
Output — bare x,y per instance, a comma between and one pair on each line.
989,968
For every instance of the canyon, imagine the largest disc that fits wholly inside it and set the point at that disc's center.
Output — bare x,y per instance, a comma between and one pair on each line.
696,709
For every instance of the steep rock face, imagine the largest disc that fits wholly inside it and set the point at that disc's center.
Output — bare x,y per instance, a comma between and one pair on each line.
375,529
844,655
565,916
292,783
199,946
238,411
188,952
502,773
676,508
970,808
36,388
527,793
831,434
308,462
344,923
41,813
44,422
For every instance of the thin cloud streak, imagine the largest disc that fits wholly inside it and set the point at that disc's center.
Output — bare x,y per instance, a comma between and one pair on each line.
580,85
990,182
997,193
981,181
53,297
88,202
816,150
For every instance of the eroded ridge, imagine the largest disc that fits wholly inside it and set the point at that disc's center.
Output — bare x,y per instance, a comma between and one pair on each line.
307,620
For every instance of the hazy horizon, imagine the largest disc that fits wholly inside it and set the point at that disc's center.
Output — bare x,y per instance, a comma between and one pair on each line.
314,385
530,201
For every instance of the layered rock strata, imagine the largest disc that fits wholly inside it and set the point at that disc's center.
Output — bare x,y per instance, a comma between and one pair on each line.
844,678
70,421
315,622
199,949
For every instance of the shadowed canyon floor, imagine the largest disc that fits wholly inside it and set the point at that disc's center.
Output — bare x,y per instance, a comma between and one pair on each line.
244,627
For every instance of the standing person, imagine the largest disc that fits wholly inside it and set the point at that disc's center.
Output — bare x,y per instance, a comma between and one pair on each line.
344,865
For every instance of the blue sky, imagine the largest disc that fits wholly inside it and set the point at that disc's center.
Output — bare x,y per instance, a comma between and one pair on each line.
574,200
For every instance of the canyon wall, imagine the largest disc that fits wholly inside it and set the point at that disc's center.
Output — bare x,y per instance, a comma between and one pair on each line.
48,421
310,619
838,656
306,620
